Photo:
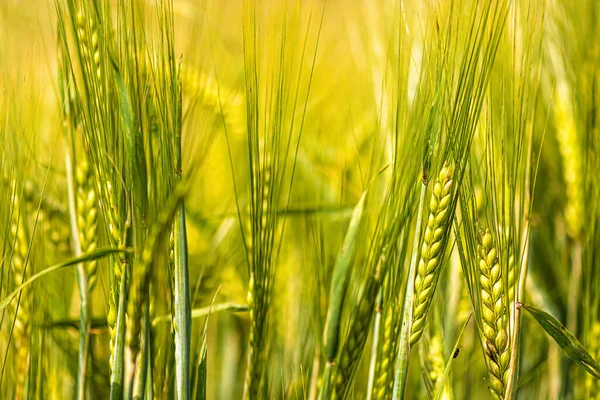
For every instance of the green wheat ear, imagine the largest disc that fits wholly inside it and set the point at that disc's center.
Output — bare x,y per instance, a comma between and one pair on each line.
21,306
592,385
87,216
571,154
384,381
494,314
432,250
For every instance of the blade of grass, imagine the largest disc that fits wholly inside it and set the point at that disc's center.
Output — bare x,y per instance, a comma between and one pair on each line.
564,338
204,311
339,284
69,263
440,384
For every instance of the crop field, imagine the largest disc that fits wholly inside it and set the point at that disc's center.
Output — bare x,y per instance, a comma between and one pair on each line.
299,199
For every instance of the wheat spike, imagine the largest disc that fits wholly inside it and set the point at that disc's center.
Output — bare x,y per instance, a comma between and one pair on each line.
21,306
494,315
384,381
349,357
571,154
89,44
432,250
87,214
592,385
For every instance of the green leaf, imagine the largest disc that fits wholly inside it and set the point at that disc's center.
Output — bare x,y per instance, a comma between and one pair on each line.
69,263
200,378
204,311
339,281
565,339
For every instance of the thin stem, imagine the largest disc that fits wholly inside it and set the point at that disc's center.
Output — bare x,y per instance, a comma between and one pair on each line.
575,285
514,356
84,322
182,308
116,382
512,366
376,328
404,345
324,394
139,389
315,375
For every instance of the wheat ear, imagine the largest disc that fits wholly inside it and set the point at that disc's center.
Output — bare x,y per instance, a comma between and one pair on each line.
21,305
384,381
572,165
432,250
592,385
494,315
87,216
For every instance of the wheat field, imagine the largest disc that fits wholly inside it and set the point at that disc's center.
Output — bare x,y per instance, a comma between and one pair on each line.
289,199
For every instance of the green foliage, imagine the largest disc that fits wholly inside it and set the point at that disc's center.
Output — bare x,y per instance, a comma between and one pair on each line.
293,199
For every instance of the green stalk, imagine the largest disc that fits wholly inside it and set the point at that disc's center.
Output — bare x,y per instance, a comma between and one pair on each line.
150,369
404,346
574,285
519,295
376,327
182,308
82,281
139,390
84,322
324,394
314,378
116,381
512,367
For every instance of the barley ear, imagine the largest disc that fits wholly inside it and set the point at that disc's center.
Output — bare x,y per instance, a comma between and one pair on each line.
571,154
432,250
21,306
87,214
384,381
350,353
494,314
592,385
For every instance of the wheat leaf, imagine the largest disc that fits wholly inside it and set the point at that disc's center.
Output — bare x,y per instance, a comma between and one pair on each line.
565,339
73,261
339,281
